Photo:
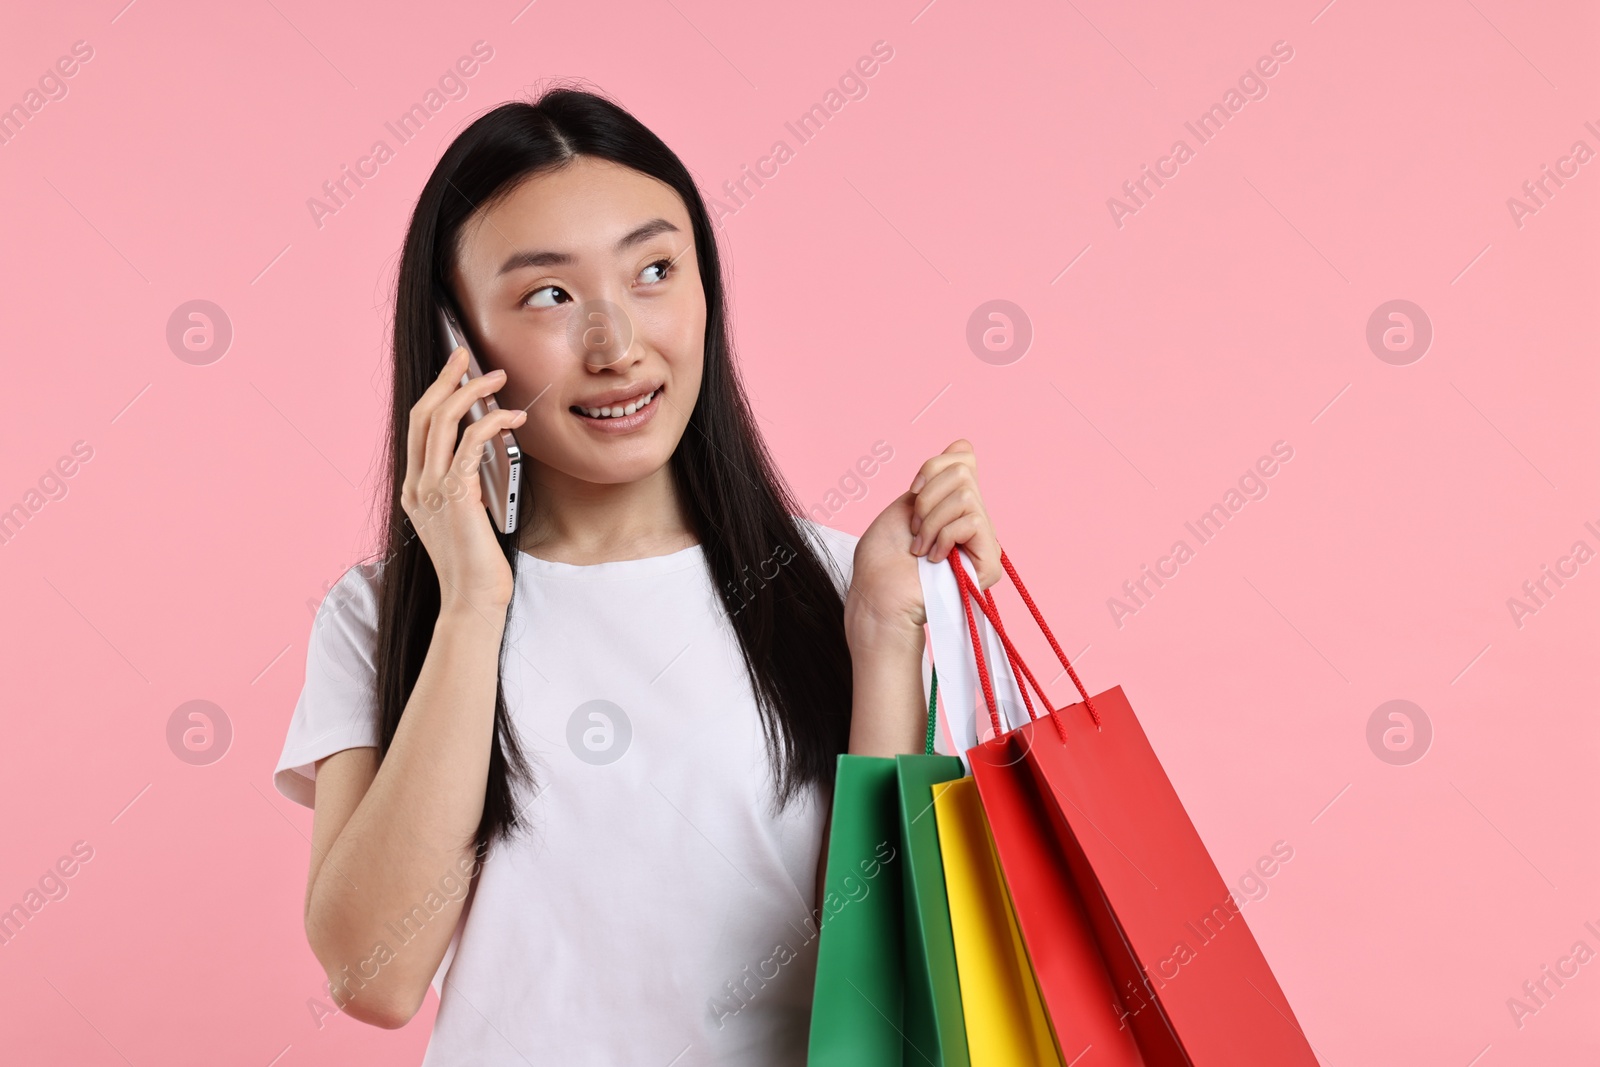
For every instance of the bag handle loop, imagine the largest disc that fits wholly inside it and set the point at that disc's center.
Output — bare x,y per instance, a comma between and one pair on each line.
986,604
983,673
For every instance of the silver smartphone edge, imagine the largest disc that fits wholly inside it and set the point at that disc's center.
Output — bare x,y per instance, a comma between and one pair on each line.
500,474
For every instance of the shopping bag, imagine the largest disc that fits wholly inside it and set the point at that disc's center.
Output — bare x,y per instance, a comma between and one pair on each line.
1006,1024
886,984
856,1001
1075,982
1188,969
935,1029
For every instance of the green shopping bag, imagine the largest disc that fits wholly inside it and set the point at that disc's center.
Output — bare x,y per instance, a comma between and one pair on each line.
935,1027
886,987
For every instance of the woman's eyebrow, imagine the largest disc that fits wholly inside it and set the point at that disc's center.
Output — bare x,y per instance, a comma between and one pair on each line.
639,234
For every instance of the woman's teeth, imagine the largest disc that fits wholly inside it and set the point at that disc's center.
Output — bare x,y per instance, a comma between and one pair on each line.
619,412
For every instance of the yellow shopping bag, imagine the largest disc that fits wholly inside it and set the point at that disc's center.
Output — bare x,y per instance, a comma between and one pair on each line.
1006,1021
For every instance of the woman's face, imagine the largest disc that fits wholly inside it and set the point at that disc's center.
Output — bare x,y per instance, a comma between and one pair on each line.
584,286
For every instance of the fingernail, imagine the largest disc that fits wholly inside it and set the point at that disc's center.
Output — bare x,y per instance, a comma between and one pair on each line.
916,546
519,418
916,486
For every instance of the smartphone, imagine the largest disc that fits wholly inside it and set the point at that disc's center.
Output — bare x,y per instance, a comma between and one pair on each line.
500,472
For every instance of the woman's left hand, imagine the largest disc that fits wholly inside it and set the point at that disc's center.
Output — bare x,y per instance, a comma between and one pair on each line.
942,509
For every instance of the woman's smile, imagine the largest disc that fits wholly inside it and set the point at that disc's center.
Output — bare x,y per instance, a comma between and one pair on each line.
622,417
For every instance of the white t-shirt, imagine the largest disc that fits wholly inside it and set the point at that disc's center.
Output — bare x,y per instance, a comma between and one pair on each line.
658,911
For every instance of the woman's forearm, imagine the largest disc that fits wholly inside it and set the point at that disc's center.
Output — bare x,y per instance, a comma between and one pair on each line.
889,713
413,829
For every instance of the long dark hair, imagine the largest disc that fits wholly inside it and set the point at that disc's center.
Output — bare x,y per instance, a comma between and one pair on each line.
791,633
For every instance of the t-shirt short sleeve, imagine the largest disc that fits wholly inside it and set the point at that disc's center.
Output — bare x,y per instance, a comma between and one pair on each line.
838,550
337,708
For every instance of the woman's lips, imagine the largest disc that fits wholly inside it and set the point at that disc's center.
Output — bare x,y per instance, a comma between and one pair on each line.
623,423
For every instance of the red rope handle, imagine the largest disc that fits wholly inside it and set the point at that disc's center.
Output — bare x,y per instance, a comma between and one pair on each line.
993,615
1020,669
1016,580
977,650
969,587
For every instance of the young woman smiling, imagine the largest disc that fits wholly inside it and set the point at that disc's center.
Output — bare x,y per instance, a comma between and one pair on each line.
644,736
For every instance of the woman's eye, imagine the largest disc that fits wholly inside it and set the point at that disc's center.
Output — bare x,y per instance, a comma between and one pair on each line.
545,296
664,265
538,299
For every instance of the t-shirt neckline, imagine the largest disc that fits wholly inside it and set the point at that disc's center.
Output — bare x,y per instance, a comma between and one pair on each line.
613,568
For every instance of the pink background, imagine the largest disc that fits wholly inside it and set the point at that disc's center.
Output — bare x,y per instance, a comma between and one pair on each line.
1228,313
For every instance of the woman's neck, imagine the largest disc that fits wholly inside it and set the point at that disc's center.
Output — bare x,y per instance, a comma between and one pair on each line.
580,522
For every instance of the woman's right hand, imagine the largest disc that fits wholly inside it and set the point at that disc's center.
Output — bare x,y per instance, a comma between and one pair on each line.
442,493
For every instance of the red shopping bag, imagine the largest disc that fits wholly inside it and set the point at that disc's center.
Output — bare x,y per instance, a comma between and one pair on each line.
1193,986
1075,983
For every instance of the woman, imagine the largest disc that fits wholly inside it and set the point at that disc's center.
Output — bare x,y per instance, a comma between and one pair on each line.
638,698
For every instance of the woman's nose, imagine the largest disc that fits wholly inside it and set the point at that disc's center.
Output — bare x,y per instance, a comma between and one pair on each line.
602,332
